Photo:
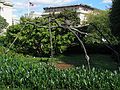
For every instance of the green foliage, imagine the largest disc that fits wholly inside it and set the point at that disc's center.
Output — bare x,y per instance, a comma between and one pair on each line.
3,23
101,20
70,15
35,40
2,39
115,17
18,74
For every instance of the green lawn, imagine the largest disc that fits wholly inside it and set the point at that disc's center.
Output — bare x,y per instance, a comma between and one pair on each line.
100,61
40,73
96,60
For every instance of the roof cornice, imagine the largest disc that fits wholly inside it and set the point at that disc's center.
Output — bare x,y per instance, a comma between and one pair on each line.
7,4
79,5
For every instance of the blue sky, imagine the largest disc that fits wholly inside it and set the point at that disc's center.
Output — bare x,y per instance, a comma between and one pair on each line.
21,6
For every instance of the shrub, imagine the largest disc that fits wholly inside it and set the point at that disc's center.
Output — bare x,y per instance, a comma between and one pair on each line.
34,40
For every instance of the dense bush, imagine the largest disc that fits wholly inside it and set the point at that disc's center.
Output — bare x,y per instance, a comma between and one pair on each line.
35,40
17,74
2,39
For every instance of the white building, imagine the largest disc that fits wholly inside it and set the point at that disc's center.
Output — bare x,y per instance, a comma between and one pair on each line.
6,10
81,9
33,14
15,21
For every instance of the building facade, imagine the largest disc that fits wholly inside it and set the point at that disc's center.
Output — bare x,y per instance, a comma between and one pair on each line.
33,14
82,10
6,10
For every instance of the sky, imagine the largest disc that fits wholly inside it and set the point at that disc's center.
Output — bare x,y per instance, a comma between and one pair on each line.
20,7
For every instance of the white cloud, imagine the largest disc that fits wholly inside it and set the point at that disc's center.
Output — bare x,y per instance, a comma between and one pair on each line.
107,1
19,5
24,4
51,2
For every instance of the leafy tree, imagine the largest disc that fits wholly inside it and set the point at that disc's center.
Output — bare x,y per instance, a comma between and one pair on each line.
115,17
101,20
35,40
115,25
3,23
70,15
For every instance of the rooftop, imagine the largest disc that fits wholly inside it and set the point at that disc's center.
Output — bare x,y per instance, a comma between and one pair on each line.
6,2
80,5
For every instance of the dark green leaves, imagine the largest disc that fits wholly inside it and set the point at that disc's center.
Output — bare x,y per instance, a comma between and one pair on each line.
3,23
101,20
33,39
20,74
115,17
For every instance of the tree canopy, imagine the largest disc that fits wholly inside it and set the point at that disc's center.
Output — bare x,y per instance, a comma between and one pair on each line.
3,23
35,40
70,15
115,18
101,20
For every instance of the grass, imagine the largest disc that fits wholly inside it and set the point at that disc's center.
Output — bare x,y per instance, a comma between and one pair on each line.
56,78
103,61
14,89
96,60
